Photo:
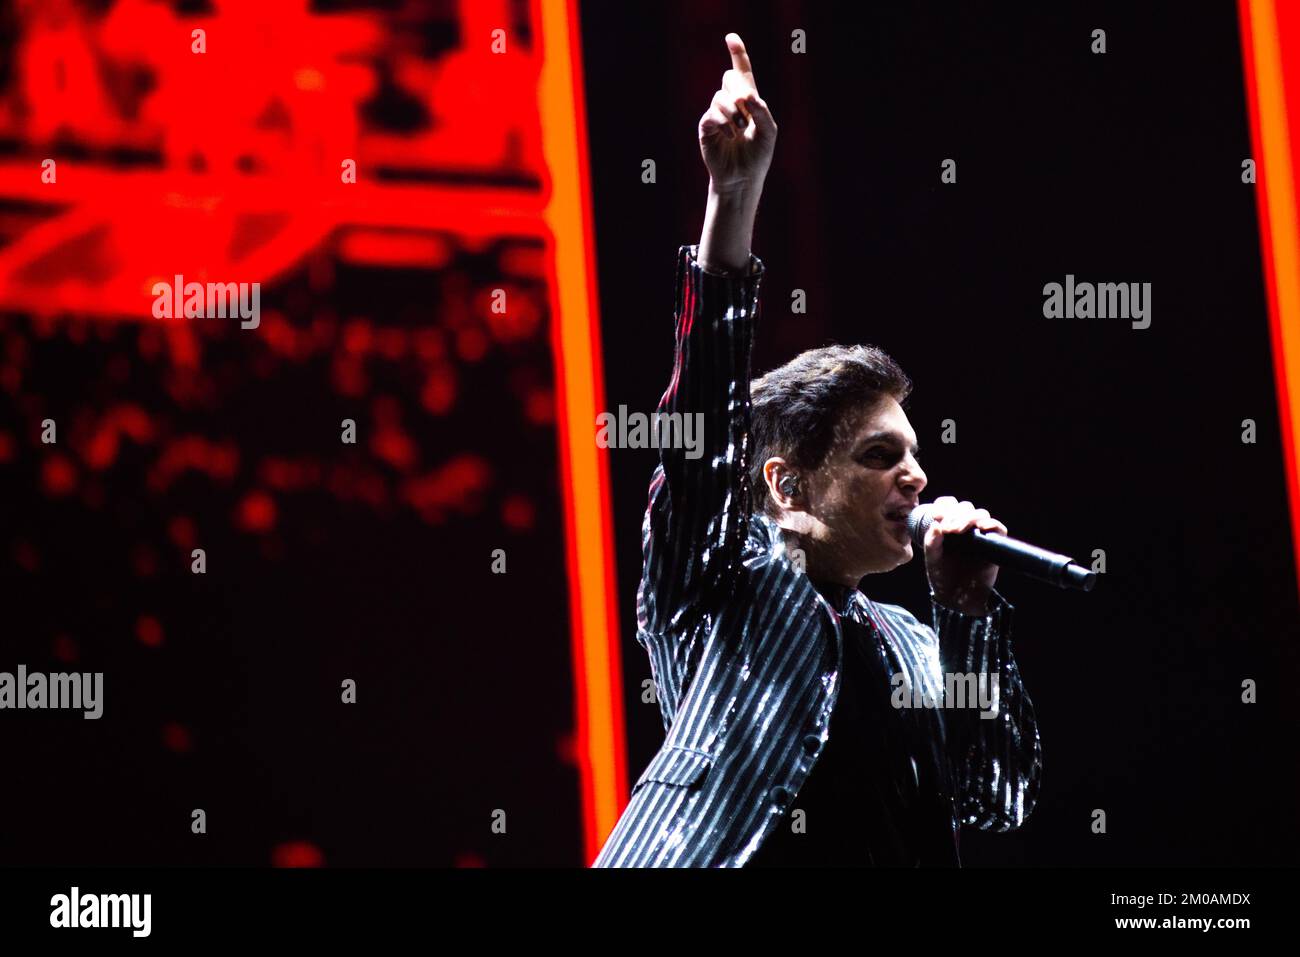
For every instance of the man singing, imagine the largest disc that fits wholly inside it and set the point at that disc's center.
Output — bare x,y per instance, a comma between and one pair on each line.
788,696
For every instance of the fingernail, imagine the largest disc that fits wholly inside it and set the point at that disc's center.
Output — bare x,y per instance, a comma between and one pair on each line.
740,120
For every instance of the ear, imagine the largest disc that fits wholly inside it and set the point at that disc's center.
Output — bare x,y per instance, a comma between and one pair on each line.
778,476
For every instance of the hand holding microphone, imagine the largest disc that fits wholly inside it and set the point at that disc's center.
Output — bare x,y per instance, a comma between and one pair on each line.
964,547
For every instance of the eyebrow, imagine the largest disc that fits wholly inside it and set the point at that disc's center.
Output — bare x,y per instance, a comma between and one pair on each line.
890,436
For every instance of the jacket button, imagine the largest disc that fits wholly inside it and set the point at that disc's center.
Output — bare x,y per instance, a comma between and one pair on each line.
812,743
780,795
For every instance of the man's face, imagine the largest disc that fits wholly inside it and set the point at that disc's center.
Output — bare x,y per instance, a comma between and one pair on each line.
861,495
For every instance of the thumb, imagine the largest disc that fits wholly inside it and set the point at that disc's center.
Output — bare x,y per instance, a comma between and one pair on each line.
760,114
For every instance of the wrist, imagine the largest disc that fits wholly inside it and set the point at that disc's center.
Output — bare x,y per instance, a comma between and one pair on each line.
728,228
739,197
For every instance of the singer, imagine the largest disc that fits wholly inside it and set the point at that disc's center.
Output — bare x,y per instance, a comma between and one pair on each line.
773,670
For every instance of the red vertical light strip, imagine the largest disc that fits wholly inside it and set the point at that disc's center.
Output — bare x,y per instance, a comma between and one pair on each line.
1270,37
599,742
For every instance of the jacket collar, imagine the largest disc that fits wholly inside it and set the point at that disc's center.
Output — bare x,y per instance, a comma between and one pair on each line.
840,597
766,536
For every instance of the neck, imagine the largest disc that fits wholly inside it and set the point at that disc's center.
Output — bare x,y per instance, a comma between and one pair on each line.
819,562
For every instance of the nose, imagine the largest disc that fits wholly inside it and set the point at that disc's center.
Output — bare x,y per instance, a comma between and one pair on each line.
912,477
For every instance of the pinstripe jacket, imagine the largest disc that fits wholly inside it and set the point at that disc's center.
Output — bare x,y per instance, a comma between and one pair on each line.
745,653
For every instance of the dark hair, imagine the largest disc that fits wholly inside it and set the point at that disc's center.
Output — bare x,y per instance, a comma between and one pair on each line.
798,408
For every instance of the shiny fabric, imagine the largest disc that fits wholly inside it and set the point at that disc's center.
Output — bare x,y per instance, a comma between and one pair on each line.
863,802
746,653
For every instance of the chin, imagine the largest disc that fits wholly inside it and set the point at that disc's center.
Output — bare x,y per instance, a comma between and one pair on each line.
890,557
904,556
899,555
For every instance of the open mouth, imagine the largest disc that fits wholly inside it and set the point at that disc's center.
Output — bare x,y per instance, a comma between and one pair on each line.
898,529
897,519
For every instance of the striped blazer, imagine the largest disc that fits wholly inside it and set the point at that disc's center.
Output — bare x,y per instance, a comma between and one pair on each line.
745,652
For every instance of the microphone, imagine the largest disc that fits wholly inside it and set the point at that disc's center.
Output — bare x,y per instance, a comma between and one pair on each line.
1051,567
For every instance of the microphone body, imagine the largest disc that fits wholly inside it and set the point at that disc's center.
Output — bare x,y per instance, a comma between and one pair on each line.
1051,567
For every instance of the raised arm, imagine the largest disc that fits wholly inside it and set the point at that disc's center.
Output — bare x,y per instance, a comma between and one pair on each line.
698,505
737,136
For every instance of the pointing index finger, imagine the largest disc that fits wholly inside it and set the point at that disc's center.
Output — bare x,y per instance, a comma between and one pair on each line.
740,59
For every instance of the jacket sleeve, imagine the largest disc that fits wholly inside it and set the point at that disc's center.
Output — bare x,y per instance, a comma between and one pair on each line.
697,519
997,760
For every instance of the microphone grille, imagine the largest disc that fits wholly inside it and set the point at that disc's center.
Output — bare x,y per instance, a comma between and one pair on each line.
918,523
